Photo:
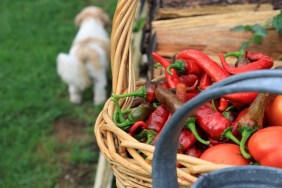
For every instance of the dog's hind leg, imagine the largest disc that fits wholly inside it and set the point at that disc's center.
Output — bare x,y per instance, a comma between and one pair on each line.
100,83
75,94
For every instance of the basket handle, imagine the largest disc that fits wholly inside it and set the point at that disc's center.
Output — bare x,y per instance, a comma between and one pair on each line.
164,160
122,69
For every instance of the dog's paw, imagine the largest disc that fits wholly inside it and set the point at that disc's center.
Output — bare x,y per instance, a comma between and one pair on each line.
75,99
100,98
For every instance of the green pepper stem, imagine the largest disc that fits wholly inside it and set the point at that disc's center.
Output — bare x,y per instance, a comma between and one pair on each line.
237,54
150,136
118,112
178,65
246,133
227,133
157,65
138,93
190,124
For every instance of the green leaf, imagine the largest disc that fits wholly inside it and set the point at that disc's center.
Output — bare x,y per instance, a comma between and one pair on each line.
139,24
277,22
259,30
245,45
257,38
238,28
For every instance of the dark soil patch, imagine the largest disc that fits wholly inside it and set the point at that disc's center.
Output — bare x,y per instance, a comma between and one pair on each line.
70,131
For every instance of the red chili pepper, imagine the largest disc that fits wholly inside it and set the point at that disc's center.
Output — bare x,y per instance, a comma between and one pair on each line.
223,104
181,92
186,140
173,79
150,92
188,79
215,71
258,61
243,98
146,136
205,81
213,122
187,66
158,118
135,126
147,92
235,131
191,95
194,152
253,119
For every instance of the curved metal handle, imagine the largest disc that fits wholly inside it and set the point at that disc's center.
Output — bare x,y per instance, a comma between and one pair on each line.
164,160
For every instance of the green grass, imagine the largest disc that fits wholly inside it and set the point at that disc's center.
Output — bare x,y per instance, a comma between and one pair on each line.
32,95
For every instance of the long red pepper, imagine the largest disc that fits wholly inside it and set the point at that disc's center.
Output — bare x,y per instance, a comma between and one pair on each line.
253,119
215,71
205,81
186,140
188,79
213,122
158,118
187,66
181,92
194,152
260,61
135,126
223,104
173,79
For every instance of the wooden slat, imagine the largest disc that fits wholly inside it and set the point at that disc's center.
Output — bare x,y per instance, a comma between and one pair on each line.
169,13
211,34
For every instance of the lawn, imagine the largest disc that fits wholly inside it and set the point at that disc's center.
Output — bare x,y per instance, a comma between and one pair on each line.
43,137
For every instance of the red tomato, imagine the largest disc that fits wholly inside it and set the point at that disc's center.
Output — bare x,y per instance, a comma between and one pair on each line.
274,112
265,146
225,154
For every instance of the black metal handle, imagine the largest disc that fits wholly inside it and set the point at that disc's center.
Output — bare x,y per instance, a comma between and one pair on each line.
164,160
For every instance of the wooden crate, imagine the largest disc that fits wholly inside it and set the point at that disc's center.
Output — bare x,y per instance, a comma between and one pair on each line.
208,29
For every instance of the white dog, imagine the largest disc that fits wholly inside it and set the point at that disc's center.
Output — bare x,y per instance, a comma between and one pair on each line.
88,59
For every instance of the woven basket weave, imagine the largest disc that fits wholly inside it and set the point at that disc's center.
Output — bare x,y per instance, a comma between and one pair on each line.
124,152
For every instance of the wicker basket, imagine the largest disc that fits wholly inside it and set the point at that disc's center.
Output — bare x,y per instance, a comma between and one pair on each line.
121,150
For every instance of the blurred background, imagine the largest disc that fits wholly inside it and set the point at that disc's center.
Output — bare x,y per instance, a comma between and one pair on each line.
45,141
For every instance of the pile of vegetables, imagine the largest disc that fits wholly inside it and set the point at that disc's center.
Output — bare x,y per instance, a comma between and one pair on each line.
236,129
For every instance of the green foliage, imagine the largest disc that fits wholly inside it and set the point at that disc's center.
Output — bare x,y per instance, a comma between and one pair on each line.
138,24
32,95
82,155
258,33
277,23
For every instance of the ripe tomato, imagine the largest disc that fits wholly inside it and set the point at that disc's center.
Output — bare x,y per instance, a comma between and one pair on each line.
265,146
225,154
274,112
